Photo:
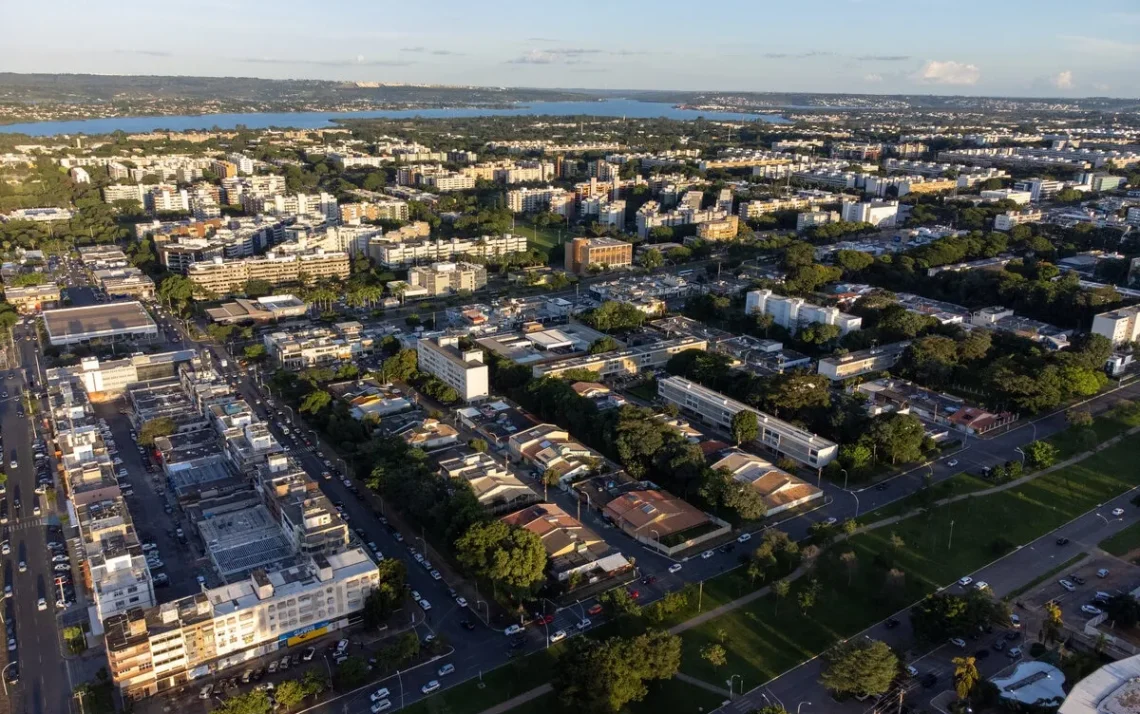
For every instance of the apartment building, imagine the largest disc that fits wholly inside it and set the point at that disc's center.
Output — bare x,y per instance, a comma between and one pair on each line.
221,277
463,370
404,253
157,649
1120,326
1039,189
581,253
650,215
881,214
315,346
447,278
810,219
306,516
244,163
125,192
627,361
724,229
1009,219
448,181
167,198
386,210
534,200
750,210
735,158
322,206
881,186
861,362
836,180
778,436
793,313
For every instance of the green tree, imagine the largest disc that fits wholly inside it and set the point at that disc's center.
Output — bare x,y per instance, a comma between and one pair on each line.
605,343
651,259
781,588
315,401
745,426
614,316
966,675
351,673
400,366
290,693
859,666
618,603
714,654
1041,454
159,426
897,437
255,353
1053,626
602,677
504,554
255,702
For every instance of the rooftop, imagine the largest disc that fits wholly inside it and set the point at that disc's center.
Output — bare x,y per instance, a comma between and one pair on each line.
95,320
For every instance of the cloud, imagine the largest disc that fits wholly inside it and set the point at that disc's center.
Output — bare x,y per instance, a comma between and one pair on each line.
949,72
540,39
873,78
797,55
534,57
148,53
413,49
883,58
1101,86
1100,46
1063,80
568,55
358,61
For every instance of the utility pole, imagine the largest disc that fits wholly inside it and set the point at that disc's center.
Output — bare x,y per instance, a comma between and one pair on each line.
951,540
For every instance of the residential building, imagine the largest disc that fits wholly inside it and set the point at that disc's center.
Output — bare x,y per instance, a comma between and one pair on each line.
780,490
315,346
388,210
167,198
125,192
628,361
1021,198
1120,326
811,219
430,435
125,282
750,210
660,520
533,200
398,254
462,370
793,313
724,229
581,253
881,214
222,277
1009,219
718,410
861,362
1039,189
572,549
447,278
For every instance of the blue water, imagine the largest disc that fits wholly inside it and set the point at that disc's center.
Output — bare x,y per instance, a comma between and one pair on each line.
316,120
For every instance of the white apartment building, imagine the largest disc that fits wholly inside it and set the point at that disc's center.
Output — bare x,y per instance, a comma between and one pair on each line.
755,209
1039,189
450,181
243,162
1021,198
881,214
830,179
1009,219
793,313
165,197
533,200
462,370
124,192
1120,326
860,362
716,409
411,252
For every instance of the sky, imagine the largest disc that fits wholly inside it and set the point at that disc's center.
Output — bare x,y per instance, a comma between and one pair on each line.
1045,48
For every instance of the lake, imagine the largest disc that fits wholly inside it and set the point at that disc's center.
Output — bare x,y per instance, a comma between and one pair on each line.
316,120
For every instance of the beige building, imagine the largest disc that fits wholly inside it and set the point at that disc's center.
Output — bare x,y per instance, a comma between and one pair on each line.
725,229
444,278
220,277
390,210
780,490
860,362
622,362
1120,326
32,298
581,253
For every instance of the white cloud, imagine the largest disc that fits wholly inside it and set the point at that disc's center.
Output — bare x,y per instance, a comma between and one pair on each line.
949,72
873,78
1063,80
1101,86
1100,46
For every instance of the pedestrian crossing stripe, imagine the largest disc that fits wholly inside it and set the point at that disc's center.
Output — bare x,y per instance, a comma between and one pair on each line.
24,525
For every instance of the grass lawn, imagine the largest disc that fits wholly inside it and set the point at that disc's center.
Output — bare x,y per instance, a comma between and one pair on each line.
1123,542
1106,426
670,695
766,638
545,239
500,684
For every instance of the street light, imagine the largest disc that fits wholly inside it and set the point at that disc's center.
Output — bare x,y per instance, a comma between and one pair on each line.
800,705
730,684
844,478
856,497
4,679
1018,450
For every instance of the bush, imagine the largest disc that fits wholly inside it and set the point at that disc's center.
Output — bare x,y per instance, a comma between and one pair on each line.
1036,649
1001,545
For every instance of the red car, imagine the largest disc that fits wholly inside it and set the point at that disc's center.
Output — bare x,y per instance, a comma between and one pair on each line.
635,594
547,620
595,610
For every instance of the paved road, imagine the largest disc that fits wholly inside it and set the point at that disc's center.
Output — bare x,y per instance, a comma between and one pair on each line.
1004,576
44,686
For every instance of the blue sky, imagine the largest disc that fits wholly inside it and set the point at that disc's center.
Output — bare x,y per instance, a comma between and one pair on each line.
996,47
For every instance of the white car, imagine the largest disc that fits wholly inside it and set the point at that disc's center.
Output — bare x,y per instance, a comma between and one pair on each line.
1090,610
558,636
41,604
1102,573
1067,585
430,687
706,555
5,548
446,670
744,538
435,575
981,585
381,706
675,568
584,623
512,630
461,601
1118,512
952,463
24,567
424,604
379,694
965,581
416,595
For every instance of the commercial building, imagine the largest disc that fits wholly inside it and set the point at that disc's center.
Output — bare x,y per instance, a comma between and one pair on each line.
32,299
222,277
861,362
113,322
631,360
462,370
1021,198
270,308
317,346
127,282
103,257
794,313
780,490
581,253
446,278
367,399
1120,326
716,409
572,549
1009,219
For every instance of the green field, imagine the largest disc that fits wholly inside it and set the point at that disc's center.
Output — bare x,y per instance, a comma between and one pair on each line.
1113,423
670,695
956,485
763,641
1123,542
499,685
544,238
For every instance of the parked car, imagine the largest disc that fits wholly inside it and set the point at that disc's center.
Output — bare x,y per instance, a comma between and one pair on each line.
558,636
379,694
1091,610
744,538
432,686
1067,585
675,568
1118,512
965,581
1102,573
446,670
513,630
958,642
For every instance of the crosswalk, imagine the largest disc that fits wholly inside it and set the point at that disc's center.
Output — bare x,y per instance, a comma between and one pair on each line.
25,524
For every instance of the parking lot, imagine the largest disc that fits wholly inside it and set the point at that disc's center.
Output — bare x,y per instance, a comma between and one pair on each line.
1119,577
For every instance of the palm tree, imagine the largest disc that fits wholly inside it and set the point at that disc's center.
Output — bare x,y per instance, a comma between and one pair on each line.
965,675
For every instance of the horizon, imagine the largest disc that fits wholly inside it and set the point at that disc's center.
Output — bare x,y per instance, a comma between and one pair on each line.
1011,49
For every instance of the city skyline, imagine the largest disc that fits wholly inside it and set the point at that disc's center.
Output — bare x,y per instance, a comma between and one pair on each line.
847,47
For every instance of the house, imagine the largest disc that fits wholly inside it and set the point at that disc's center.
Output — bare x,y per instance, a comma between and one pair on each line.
430,434
571,548
661,520
493,484
547,447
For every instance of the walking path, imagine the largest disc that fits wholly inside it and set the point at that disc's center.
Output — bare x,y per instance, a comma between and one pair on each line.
700,683
756,594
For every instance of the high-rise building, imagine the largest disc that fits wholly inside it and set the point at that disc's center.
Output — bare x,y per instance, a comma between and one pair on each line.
462,370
